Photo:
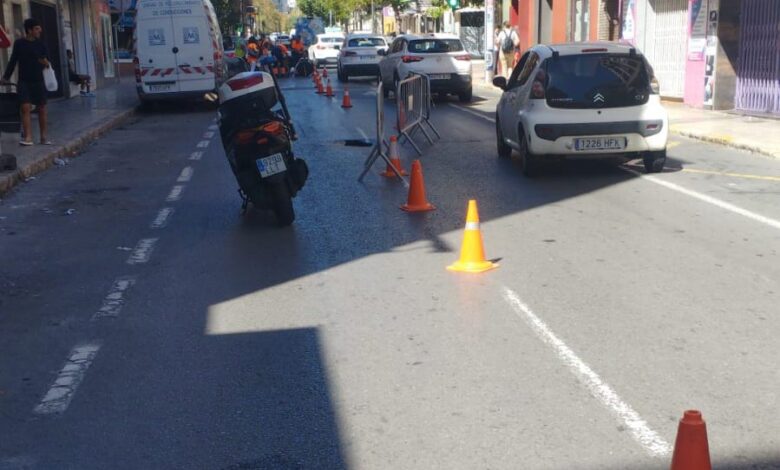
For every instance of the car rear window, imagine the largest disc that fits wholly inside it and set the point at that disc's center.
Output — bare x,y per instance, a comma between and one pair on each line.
595,81
331,40
366,42
423,46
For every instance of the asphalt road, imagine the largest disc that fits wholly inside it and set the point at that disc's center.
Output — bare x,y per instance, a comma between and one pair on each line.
145,323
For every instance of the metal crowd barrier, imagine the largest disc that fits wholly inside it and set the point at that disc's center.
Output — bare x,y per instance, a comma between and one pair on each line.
381,146
413,98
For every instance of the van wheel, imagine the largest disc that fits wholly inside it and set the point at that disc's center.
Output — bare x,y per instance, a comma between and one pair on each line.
654,161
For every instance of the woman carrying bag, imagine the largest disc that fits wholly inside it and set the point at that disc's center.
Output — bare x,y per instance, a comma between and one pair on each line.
31,55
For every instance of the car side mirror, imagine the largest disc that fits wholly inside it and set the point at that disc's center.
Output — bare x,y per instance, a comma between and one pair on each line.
499,82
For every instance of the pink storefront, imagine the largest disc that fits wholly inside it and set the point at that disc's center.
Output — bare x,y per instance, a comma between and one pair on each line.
702,48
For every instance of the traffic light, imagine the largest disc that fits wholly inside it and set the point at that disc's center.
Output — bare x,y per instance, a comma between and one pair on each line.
454,4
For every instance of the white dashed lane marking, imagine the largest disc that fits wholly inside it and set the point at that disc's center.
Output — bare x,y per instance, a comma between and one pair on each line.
196,155
175,193
203,144
115,299
213,127
208,135
142,252
654,444
186,174
162,217
64,387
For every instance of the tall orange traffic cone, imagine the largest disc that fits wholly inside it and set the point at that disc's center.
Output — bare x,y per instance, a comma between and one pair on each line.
416,201
691,450
347,101
395,159
472,252
329,92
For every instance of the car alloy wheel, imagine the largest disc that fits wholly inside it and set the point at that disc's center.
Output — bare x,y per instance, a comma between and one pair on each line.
654,161
528,161
504,151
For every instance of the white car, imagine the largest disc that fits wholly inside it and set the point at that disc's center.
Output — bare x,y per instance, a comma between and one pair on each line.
440,56
326,49
359,56
581,100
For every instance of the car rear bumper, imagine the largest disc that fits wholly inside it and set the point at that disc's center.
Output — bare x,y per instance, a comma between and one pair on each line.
360,69
566,147
457,83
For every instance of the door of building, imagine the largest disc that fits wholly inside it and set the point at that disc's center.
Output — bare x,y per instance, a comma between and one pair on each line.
47,15
758,68
666,41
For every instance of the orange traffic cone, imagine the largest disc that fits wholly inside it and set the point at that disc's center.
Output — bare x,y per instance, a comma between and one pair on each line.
329,92
416,201
324,72
401,118
472,252
691,450
347,101
395,159
320,90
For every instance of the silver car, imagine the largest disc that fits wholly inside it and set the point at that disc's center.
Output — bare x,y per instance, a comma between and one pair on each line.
359,56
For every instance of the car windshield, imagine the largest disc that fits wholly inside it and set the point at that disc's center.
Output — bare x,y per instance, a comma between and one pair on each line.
366,42
423,46
595,81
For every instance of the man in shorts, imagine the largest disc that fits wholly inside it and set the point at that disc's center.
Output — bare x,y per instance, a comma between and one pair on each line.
31,55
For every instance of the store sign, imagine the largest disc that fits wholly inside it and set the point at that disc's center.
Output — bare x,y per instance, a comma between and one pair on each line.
697,40
711,52
629,21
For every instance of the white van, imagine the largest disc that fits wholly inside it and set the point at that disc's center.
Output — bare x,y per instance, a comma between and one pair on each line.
178,49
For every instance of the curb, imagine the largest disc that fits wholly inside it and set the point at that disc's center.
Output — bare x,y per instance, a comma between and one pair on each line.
70,148
726,141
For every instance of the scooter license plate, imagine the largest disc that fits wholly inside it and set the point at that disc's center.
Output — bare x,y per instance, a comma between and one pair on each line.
271,165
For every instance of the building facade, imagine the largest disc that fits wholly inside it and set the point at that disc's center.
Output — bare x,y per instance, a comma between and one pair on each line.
714,54
83,27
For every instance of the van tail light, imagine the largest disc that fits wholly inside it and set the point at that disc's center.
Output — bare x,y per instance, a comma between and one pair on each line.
655,87
537,90
411,58
463,57
137,67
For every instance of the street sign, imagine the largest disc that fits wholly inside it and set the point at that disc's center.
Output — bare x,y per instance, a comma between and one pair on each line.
5,42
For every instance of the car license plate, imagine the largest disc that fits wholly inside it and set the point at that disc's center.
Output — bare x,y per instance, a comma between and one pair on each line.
271,165
161,87
367,57
600,143
439,76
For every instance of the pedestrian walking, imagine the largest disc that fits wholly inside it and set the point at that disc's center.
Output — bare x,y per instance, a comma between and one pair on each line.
496,47
31,55
508,40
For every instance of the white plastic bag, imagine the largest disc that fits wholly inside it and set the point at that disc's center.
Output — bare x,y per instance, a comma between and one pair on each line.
49,79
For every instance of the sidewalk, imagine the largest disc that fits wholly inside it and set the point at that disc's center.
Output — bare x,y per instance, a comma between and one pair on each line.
759,135
73,124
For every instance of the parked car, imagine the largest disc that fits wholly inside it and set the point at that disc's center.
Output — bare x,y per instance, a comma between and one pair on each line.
359,56
325,49
581,100
441,56
179,51
283,39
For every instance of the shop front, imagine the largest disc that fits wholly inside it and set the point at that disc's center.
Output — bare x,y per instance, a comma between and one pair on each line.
758,66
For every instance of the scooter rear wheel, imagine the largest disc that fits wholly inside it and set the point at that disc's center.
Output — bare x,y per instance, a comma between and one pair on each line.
283,205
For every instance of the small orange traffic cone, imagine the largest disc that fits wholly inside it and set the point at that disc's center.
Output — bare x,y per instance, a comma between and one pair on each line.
320,90
472,252
401,118
347,101
324,72
395,159
329,92
416,201
691,450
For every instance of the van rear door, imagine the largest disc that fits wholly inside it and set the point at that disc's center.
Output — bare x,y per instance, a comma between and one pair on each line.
195,56
156,56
